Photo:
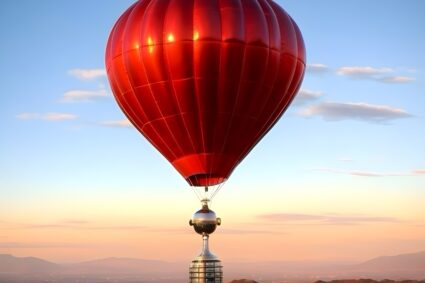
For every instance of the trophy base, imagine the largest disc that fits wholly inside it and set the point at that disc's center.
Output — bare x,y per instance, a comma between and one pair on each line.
206,271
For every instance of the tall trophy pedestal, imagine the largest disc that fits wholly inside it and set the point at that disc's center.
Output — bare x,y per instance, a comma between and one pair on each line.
206,267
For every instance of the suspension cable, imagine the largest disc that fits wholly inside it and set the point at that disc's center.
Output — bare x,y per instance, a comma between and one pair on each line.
196,193
217,190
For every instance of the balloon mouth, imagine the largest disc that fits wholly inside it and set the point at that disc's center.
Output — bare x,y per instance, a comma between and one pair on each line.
205,169
202,180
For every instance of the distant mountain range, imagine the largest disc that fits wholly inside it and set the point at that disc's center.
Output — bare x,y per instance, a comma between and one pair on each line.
400,266
405,266
10,264
399,262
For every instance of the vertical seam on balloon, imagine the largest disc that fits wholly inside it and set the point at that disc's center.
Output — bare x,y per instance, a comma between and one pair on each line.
128,73
297,84
219,82
137,98
185,124
156,132
239,84
248,147
276,119
265,130
270,39
123,94
192,82
296,64
197,85
197,88
165,121
299,38
159,109
268,58
166,61
111,70
134,118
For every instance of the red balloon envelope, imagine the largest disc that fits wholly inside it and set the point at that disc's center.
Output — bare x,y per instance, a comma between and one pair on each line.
204,80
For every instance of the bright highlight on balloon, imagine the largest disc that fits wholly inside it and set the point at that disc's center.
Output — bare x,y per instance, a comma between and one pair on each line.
150,43
195,35
170,37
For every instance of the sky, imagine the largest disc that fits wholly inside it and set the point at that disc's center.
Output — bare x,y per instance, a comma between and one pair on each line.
341,177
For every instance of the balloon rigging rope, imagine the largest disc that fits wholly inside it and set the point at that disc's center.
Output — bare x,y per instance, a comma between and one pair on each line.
201,194
196,193
217,190
195,189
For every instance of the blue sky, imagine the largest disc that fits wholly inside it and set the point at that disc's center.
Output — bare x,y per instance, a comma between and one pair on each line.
357,125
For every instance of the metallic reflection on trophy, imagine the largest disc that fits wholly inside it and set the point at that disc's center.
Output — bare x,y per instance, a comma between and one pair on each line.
206,267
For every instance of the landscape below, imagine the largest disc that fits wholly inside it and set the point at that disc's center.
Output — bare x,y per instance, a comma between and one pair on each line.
405,268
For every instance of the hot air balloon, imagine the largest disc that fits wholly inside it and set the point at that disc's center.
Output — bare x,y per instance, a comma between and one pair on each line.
204,80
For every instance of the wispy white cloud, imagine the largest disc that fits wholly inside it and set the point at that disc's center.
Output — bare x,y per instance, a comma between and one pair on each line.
83,95
372,174
55,116
358,173
397,79
87,74
28,116
419,171
50,116
326,219
383,74
345,159
310,94
117,123
337,111
362,71
317,68
361,173
305,95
